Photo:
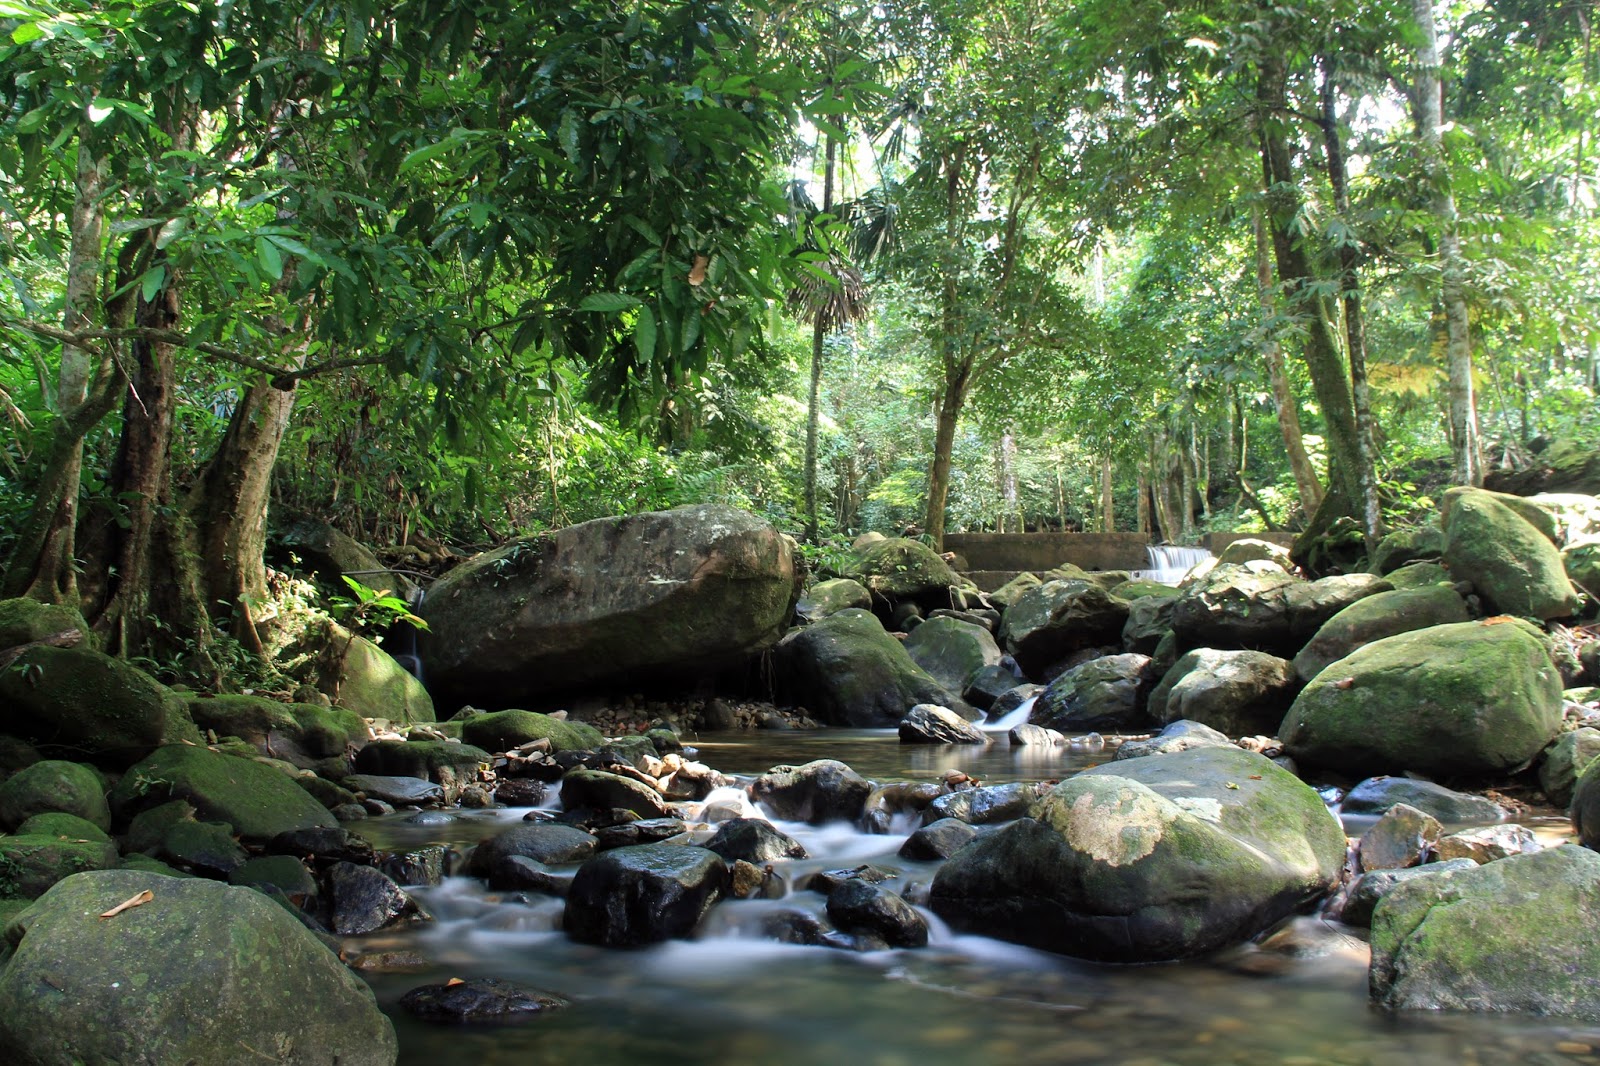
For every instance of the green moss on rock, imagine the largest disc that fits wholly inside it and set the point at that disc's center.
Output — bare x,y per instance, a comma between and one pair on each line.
77,701
54,785
1513,564
503,730
258,801
24,620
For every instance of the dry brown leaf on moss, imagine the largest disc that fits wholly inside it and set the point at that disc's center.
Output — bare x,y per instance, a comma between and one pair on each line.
128,904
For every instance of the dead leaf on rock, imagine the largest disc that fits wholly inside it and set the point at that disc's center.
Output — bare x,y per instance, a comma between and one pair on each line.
453,982
128,904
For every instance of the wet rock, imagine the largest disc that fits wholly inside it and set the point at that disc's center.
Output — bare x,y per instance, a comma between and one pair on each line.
1385,614
1179,736
938,840
858,907
518,873
1378,794
1369,888
897,797
544,842
1104,693
1402,837
1049,622
830,597
32,862
258,801
222,969
989,684
400,791
323,846
204,848
1151,859
520,792
952,651
756,882
645,831
53,785
826,882
1029,735
283,872
847,670
1013,699
425,866
1512,563
929,724
362,900
1486,843
984,805
479,1000
796,927
1237,693
1514,935
449,765
754,840
644,894
1564,762
1479,698
600,790
824,790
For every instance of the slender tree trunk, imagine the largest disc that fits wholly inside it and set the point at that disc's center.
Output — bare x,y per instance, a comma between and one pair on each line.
1010,505
957,364
1355,323
1108,517
819,334
1142,506
1464,438
1329,378
1283,401
947,415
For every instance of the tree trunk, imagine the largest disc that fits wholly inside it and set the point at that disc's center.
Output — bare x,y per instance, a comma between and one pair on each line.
1108,517
1010,499
1142,507
819,334
1464,439
947,414
1329,379
1283,402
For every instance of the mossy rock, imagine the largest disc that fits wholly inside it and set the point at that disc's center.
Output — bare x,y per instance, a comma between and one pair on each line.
1243,606
1104,693
304,734
258,801
1012,590
202,973
1405,546
60,824
54,785
1418,574
504,730
450,765
831,597
1564,762
901,570
1385,614
847,670
88,705
1513,564
149,827
1469,699
1152,859
1514,935
952,651
374,685
24,620
1582,564
1240,693
1048,623
325,792
30,864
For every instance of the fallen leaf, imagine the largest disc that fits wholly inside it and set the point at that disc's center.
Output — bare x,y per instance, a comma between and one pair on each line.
1255,777
1499,619
1231,785
128,904
697,275
453,982
1345,682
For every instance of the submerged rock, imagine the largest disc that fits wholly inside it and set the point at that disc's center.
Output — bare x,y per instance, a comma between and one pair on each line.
1148,860
481,999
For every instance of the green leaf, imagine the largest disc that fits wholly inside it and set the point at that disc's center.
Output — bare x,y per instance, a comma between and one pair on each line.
31,122
171,231
644,334
607,301
270,258
426,152
150,284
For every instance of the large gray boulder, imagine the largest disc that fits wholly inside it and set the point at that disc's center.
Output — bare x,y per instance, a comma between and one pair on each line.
1512,935
1104,693
1474,698
1375,617
644,894
1049,622
677,592
901,570
1240,693
202,972
847,670
952,651
1149,860
1236,606
1512,563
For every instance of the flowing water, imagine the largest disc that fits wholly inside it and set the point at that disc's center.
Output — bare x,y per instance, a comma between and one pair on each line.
732,997
1170,563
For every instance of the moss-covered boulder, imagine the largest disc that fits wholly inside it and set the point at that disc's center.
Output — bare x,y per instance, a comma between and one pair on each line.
1104,693
1512,935
1048,623
1375,617
333,555
202,973
79,702
373,684
1009,593
669,593
1244,606
1468,699
1240,693
902,570
1586,806
504,730
1418,574
952,651
31,862
24,620
258,801
1564,761
309,736
53,785
1514,565
1582,564
1149,618
1148,860
847,670
1251,549
831,597
449,765
1404,546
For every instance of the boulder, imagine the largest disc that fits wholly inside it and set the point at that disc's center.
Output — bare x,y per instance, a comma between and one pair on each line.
602,791
52,785
952,651
548,843
1514,935
1486,843
1048,623
824,790
504,730
258,801
1008,594
24,620
927,723
1028,735
1514,567
487,1000
333,555
363,900
202,972
87,705
1149,860
398,790
373,684
1404,546
830,597
681,593
32,862
1243,606
1384,614
282,872
1564,466
451,766
938,840
1538,517
1311,603
1402,837
1369,888
1179,736
1251,549
1415,575
905,571
1104,693
204,848
1238,693
847,670
860,907
984,805
1564,761
309,736
1378,795
754,840
986,687
1586,806
644,894
1473,698
1149,619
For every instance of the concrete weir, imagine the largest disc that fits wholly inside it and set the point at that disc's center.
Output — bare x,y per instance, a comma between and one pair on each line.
992,559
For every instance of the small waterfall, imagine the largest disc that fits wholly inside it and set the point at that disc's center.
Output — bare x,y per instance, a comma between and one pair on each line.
1169,563
1011,719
